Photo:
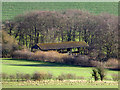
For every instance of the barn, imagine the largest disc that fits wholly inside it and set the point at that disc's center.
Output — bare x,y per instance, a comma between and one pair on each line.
63,47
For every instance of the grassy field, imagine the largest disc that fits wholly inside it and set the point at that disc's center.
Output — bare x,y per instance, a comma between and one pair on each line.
11,9
12,66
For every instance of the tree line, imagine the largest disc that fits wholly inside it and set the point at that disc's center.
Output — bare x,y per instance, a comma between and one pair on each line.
99,31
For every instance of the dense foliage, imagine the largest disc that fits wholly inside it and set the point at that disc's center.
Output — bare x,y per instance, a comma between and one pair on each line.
99,31
9,44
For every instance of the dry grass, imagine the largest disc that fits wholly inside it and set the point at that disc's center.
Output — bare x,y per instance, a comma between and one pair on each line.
50,56
60,83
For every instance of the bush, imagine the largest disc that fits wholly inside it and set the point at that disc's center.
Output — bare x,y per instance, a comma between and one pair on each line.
19,76
41,76
95,74
68,60
54,56
22,77
101,72
95,63
49,75
12,77
82,60
9,45
50,56
61,78
21,54
5,76
112,63
27,76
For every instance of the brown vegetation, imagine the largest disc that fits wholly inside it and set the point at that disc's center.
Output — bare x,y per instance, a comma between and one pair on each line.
41,76
38,76
53,56
9,44
112,63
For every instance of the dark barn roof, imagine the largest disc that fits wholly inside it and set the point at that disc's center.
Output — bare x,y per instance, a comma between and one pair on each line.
62,45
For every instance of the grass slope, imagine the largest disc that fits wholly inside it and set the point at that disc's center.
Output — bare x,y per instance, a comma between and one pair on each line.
11,9
11,66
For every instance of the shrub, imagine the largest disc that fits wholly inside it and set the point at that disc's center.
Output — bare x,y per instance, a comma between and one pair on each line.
95,63
41,76
19,54
9,45
95,74
101,72
54,56
27,76
68,60
37,76
5,76
60,78
70,76
82,60
50,56
20,76
49,75
12,77
112,63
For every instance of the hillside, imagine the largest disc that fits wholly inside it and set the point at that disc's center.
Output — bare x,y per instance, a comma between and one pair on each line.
12,66
11,9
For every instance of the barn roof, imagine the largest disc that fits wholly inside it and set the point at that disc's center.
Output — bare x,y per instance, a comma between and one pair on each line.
62,45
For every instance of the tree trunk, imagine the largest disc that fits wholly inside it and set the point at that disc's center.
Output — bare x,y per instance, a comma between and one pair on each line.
26,41
79,35
35,32
69,35
62,36
73,35
37,38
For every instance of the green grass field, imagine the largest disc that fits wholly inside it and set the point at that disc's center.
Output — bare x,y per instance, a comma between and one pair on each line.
11,9
12,66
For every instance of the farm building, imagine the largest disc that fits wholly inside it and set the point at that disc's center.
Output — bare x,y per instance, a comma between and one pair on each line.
80,47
